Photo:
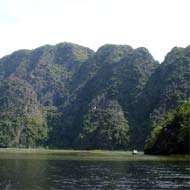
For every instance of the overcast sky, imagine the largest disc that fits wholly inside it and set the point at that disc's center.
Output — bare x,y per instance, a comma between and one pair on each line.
158,25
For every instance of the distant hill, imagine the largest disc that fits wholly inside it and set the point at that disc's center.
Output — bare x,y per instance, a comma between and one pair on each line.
68,96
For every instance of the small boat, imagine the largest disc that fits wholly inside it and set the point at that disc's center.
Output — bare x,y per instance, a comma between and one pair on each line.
134,152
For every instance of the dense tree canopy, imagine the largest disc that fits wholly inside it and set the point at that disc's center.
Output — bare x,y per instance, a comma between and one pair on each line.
172,135
67,96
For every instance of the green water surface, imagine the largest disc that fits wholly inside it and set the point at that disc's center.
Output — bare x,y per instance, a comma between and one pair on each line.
106,170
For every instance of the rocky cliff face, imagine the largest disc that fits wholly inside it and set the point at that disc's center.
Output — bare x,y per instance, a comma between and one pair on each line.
166,89
22,121
107,99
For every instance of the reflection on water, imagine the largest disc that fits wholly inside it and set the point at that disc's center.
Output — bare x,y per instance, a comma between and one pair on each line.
72,175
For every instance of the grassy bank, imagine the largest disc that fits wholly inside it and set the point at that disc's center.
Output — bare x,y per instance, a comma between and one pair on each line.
92,155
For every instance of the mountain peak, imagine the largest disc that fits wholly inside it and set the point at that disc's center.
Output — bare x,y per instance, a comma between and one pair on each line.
177,53
109,48
143,52
113,53
83,92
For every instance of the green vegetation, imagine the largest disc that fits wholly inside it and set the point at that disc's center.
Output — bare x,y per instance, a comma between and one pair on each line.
112,81
26,131
167,88
67,96
171,136
105,128
92,155
22,121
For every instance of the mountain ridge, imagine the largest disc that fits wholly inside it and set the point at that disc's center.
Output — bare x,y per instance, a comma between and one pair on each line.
79,89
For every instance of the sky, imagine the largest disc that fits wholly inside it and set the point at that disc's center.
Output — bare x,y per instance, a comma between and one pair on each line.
158,25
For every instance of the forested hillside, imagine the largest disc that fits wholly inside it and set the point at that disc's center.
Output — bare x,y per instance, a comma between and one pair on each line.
68,96
172,135
167,88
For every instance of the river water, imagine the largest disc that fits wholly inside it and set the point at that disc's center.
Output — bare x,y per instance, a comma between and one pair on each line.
30,172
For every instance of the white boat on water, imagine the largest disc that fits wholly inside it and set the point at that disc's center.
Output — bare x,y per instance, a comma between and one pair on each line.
134,152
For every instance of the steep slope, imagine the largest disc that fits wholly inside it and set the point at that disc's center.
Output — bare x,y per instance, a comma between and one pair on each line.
22,121
48,69
118,79
31,83
172,135
67,96
105,55
167,88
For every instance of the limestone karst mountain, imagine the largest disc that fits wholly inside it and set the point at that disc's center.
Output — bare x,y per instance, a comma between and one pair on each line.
68,96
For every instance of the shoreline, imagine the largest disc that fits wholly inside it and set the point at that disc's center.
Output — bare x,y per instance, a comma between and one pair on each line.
84,155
